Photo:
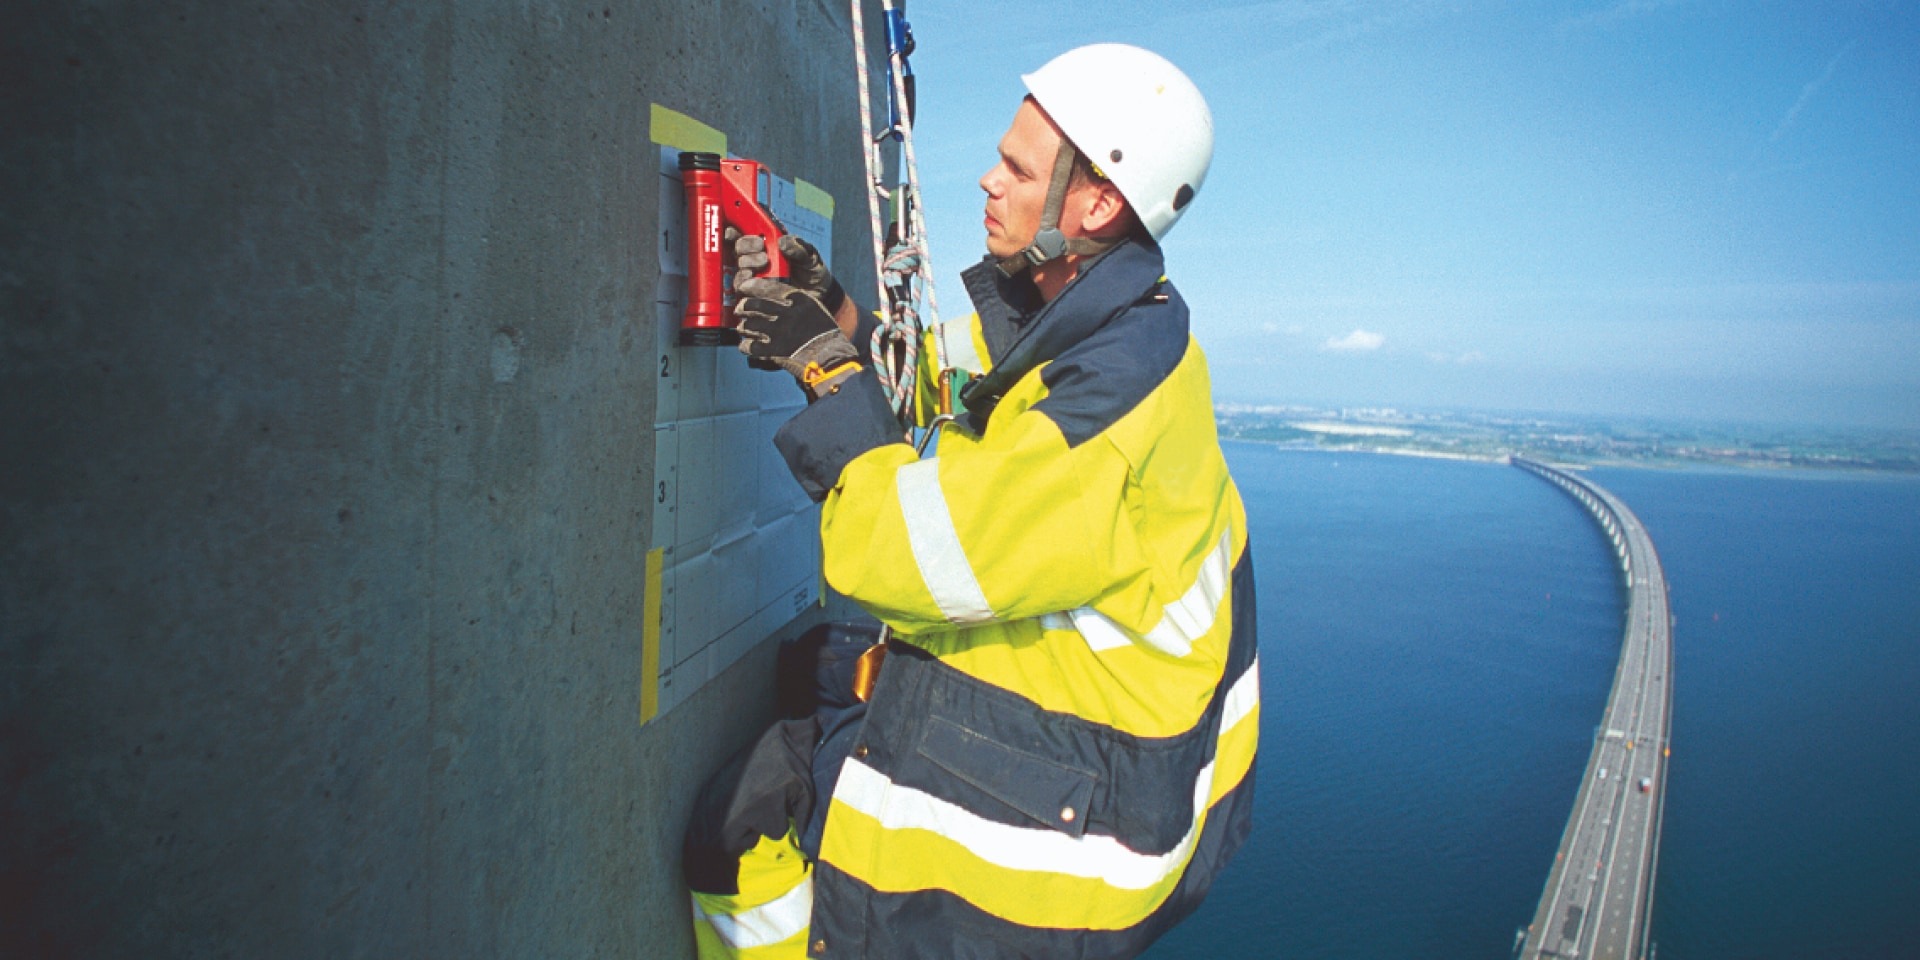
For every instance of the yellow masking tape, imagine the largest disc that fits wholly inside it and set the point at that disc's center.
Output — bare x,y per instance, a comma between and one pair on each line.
681,132
650,637
809,197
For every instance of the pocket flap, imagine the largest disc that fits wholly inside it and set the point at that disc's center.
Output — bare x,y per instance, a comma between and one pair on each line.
1052,793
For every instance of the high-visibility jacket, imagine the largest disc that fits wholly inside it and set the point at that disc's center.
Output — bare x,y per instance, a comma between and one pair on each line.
1058,758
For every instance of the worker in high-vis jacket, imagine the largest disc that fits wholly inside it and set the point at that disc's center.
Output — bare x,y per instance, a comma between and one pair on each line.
1056,758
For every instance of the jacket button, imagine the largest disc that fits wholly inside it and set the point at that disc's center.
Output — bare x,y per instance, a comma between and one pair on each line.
819,946
1066,814
860,751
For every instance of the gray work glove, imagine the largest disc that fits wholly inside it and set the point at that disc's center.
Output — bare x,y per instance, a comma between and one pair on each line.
809,272
786,327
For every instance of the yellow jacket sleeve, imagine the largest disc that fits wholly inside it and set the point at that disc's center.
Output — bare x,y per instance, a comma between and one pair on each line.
1013,526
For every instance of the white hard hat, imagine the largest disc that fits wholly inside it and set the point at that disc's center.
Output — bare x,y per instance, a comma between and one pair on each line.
1138,118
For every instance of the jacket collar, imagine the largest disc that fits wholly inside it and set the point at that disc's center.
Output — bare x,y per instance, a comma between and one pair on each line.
1022,332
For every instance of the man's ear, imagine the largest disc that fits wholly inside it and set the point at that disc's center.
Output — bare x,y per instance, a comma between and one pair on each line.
1107,214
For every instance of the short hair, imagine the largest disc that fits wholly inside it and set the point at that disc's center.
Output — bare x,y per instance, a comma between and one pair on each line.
1087,173
1084,172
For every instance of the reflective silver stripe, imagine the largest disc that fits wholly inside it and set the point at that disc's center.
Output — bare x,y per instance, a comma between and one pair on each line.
1242,698
957,335
936,545
1096,628
1038,849
1034,849
1190,617
1182,624
764,925
1100,632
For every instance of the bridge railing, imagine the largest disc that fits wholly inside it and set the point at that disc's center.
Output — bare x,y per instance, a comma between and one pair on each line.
1595,500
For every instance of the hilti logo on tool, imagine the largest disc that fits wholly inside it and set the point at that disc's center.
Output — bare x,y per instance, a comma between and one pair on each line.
721,193
711,214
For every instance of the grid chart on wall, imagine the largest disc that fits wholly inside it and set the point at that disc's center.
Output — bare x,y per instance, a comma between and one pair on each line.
738,541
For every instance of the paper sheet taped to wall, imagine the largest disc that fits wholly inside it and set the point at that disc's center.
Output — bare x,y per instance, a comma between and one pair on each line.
739,541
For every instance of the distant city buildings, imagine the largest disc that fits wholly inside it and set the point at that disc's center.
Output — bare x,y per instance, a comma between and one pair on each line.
1477,435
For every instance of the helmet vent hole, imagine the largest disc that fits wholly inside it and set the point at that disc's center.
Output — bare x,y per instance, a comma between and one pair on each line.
1114,156
1182,196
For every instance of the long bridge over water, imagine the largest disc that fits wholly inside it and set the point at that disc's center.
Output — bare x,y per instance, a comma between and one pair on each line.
1600,891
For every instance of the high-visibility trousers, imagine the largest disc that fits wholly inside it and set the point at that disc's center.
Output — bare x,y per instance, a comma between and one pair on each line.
755,832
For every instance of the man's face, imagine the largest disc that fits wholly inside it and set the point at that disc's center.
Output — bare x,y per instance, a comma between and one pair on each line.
1017,186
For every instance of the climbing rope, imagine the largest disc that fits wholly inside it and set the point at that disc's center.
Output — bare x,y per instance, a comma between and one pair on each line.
903,271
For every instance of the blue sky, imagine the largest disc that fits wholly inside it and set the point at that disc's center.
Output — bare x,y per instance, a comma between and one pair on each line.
1700,210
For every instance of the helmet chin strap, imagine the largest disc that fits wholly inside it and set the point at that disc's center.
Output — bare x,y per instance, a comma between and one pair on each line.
1048,242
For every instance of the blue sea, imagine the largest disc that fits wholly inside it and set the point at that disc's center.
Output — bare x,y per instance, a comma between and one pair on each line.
1437,641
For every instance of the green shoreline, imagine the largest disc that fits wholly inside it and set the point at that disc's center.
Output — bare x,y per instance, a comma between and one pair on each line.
1690,466
1482,438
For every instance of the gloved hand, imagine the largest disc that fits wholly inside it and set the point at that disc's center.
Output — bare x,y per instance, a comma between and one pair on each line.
810,273
788,328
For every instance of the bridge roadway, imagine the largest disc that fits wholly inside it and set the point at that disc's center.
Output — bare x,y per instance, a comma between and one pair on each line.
1600,889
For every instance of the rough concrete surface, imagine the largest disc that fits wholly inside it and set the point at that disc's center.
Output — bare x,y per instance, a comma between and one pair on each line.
325,432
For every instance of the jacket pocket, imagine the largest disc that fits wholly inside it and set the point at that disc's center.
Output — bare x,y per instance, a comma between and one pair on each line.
1052,793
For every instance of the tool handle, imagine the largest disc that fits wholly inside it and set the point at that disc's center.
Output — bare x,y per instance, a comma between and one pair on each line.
740,207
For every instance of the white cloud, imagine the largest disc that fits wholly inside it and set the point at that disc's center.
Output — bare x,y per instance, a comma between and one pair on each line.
1358,340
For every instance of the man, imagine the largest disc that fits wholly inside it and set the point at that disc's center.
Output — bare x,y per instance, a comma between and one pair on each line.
1057,758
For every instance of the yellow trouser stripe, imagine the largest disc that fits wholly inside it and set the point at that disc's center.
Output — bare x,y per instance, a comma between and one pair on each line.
768,918
898,839
708,946
893,858
763,925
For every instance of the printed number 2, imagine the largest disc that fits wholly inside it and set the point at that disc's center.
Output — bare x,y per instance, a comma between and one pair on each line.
666,362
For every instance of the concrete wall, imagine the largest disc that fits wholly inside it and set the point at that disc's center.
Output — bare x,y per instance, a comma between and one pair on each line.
324,449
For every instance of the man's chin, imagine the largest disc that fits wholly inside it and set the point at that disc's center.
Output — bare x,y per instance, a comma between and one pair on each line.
1000,249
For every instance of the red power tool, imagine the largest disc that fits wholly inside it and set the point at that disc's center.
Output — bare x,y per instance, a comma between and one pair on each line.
721,193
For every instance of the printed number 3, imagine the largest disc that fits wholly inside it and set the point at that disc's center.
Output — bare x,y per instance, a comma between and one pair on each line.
662,498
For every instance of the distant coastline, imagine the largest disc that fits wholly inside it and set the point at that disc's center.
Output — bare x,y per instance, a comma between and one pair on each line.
1566,441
